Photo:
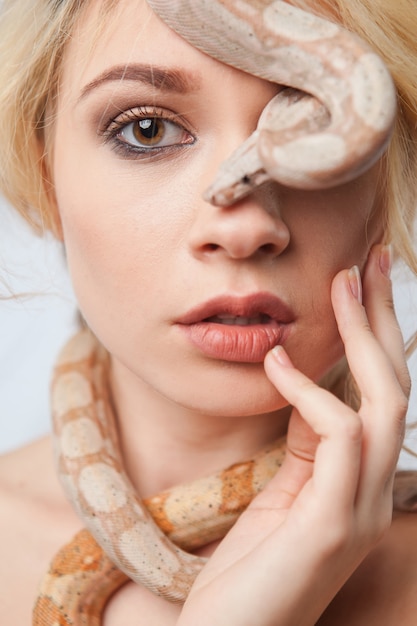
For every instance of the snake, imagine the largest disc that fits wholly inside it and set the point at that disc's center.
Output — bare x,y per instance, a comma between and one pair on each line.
336,106
149,541
330,120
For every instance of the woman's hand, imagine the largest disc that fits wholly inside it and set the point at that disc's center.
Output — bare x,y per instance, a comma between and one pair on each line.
330,503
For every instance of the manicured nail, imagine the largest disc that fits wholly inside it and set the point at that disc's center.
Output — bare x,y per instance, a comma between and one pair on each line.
281,356
355,283
385,260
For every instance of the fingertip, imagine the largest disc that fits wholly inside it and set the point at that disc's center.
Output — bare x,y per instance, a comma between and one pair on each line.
381,259
275,361
385,260
377,275
281,356
355,283
346,288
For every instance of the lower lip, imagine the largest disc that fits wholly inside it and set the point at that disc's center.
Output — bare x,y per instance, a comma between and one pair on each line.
242,344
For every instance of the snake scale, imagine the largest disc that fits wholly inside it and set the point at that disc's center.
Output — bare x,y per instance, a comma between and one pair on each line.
330,121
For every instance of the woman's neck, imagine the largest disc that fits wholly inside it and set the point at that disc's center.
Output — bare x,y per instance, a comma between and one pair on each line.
164,444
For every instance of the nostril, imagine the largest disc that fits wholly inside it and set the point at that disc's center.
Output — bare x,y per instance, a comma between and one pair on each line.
211,247
236,251
267,248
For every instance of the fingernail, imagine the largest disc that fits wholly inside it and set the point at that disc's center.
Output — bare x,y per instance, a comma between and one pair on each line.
385,260
281,356
355,283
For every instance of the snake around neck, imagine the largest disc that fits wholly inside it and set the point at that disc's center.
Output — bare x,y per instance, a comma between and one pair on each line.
126,538
330,121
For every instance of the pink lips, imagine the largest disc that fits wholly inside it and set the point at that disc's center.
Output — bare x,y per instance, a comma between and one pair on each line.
239,329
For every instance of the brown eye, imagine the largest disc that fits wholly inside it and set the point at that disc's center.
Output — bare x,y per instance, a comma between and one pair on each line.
153,132
149,131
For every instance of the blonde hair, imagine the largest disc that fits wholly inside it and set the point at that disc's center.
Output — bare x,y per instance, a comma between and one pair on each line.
33,35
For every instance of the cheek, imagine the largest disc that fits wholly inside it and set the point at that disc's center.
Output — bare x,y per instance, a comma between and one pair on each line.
117,245
337,232
337,227
125,223
315,345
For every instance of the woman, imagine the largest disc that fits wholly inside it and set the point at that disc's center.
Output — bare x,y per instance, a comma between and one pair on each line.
118,126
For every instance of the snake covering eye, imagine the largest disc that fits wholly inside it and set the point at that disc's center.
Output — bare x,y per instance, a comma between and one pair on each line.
320,141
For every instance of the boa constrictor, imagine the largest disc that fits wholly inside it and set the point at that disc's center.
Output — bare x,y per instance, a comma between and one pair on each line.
330,121
82,576
333,123
145,540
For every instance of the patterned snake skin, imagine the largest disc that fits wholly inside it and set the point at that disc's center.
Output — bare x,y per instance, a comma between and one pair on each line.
145,540
333,123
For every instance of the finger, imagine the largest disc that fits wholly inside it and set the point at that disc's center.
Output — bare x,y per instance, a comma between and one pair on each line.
338,455
369,362
384,402
379,305
296,470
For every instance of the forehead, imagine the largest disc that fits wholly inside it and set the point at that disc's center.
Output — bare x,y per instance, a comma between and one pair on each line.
130,33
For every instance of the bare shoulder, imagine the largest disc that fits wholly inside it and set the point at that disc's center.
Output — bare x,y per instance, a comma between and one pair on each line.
35,520
28,483
383,589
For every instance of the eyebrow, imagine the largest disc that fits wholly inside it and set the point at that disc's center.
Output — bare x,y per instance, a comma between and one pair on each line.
168,79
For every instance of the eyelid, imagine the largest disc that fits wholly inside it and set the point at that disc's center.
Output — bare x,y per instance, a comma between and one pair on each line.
132,114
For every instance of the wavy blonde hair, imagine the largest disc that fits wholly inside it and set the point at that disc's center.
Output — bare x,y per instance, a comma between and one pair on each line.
33,36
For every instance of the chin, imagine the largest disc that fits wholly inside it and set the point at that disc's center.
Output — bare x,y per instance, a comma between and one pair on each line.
231,390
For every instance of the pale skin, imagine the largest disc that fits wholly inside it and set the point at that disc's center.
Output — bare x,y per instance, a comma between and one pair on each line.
317,546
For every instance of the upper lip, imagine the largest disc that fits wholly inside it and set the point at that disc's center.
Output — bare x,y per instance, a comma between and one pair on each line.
249,305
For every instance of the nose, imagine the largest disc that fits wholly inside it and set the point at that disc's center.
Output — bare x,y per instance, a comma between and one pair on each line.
252,227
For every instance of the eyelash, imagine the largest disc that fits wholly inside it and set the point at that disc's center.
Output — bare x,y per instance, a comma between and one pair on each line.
126,121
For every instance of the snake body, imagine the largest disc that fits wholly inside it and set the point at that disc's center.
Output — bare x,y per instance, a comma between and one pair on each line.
330,121
127,538
292,48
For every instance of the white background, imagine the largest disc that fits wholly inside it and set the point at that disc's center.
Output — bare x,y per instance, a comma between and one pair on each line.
32,329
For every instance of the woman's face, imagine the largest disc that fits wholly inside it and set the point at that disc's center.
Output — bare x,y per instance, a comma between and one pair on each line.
186,296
